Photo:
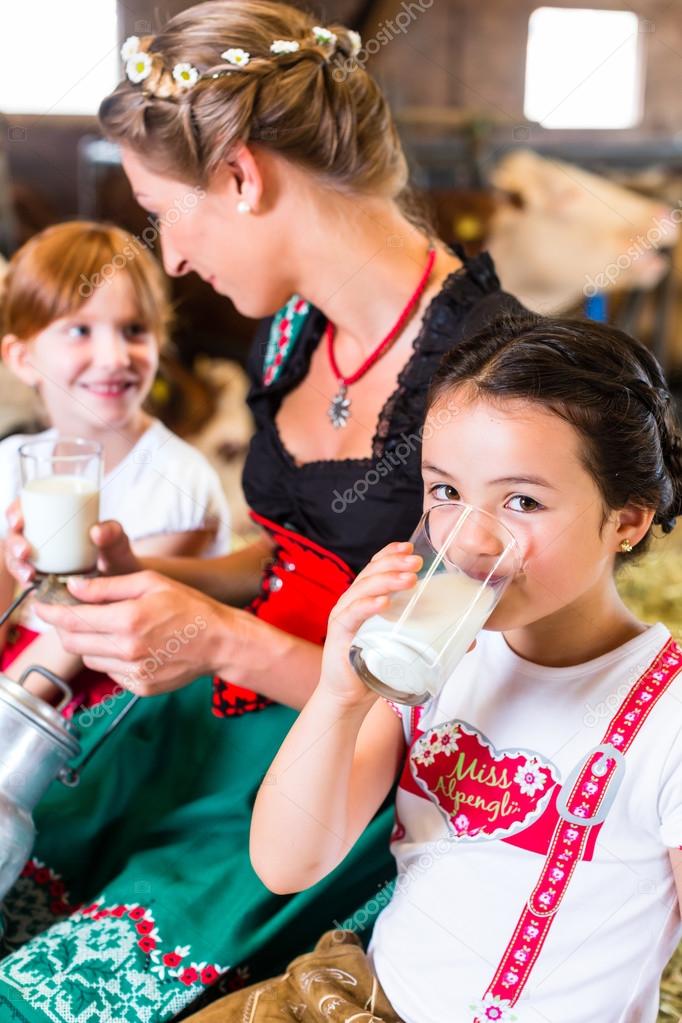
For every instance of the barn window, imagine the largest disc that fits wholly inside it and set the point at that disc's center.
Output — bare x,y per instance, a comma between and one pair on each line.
58,58
584,68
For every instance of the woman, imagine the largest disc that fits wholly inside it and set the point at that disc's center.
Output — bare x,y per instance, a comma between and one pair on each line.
285,177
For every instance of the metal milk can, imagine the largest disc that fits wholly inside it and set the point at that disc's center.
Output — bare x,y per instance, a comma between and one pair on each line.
35,744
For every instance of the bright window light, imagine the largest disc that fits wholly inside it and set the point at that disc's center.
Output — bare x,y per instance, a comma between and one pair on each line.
58,57
584,69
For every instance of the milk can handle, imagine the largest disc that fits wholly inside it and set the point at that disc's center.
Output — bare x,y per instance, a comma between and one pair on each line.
51,677
70,776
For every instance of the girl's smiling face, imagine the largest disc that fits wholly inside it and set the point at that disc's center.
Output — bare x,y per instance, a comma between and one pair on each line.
94,367
523,464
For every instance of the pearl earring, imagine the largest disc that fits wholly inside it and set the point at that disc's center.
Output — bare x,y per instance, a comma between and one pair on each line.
243,206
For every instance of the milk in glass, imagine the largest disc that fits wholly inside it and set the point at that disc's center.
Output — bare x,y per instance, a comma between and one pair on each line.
59,512
445,612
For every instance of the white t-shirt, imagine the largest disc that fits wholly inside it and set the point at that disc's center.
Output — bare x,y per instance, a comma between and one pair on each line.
474,814
162,486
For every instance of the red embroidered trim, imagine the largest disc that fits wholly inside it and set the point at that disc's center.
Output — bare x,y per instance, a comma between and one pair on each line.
141,918
59,904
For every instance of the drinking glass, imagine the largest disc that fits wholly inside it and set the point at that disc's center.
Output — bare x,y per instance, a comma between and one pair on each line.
60,483
407,652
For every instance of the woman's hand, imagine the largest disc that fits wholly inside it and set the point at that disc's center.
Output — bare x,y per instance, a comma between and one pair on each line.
147,632
115,555
394,568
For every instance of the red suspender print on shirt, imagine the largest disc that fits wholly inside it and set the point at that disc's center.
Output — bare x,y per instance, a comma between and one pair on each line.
583,803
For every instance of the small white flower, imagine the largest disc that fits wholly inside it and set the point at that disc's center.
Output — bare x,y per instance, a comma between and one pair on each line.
285,46
323,37
355,42
185,75
492,1009
130,47
138,67
530,778
236,56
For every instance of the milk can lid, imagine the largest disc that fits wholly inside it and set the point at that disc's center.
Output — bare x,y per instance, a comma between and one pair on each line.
38,713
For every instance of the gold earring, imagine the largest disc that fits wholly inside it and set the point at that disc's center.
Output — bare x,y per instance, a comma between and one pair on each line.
625,547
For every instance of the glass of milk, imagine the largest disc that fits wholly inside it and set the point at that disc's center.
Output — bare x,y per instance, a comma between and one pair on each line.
407,652
60,483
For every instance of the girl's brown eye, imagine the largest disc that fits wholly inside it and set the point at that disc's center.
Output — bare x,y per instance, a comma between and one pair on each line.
444,492
528,504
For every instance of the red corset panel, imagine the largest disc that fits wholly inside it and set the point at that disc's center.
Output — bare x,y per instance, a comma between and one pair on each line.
300,586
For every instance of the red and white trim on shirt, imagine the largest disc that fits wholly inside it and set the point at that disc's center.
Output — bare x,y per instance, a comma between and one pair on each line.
583,804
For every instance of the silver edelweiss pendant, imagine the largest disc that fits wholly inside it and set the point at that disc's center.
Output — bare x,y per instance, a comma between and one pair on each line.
339,409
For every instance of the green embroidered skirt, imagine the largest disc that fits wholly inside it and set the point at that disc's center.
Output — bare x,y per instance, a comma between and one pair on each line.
140,894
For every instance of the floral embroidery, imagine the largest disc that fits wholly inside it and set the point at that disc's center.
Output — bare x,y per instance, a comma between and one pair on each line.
493,1010
284,332
498,792
107,961
440,740
530,778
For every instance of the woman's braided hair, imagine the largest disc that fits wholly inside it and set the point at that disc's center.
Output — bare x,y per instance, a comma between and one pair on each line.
608,385
315,106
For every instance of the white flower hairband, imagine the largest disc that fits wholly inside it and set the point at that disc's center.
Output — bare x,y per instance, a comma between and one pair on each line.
138,63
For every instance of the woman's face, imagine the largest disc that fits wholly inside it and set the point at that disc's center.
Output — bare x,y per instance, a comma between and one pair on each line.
201,230
522,464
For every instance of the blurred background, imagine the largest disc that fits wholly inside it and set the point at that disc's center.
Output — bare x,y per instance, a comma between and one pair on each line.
550,135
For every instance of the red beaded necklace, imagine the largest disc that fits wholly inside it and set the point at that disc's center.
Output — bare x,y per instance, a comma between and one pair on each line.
339,409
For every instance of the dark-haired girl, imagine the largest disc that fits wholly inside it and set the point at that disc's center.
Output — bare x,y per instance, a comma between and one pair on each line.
278,176
539,813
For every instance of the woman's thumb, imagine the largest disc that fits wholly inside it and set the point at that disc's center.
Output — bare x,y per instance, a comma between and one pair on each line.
108,534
